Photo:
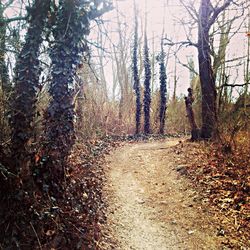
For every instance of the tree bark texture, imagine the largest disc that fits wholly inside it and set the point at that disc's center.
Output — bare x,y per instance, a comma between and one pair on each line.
206,73
190,114
207,16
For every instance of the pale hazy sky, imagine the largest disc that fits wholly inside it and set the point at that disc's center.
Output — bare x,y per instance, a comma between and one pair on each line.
174,12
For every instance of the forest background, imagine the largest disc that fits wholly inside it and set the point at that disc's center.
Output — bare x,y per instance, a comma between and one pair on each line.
73,72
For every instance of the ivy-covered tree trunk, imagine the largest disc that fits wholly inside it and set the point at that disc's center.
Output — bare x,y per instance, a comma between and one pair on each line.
71,26
26,82
65,56
147,90
136,76
163,90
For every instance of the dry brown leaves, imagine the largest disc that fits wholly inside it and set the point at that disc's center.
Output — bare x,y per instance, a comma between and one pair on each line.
224,182
71,220
81,210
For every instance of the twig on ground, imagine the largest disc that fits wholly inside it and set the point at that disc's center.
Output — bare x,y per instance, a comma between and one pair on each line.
39,243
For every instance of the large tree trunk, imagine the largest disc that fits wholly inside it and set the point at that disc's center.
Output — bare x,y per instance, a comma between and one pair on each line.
59,125
26,82
72,24
207,80
207,16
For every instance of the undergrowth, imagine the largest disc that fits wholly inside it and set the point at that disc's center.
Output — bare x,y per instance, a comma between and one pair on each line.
33,219
224,181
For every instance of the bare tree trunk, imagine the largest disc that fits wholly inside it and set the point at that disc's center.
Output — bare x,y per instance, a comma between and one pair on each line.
102,74
175,82
219,63
207,16
114,81
121,58
223,95
190,114
206,74
219,57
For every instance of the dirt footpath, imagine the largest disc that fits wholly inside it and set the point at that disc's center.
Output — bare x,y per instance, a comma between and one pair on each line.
151,205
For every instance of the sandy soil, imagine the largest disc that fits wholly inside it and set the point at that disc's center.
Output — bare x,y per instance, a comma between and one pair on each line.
151,205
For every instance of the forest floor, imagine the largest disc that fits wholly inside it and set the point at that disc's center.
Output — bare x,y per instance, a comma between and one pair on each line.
152,204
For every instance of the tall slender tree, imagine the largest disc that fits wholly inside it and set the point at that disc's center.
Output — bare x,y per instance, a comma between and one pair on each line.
163,89
175,80
4,78
136,74
147,89
121,57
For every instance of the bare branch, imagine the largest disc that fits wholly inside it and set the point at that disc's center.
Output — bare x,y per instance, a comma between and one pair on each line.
235,59
181,43
191,11
234,85
217,11
8,4
186,66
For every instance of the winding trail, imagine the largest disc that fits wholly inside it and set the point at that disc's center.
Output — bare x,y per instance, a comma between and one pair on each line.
151,206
